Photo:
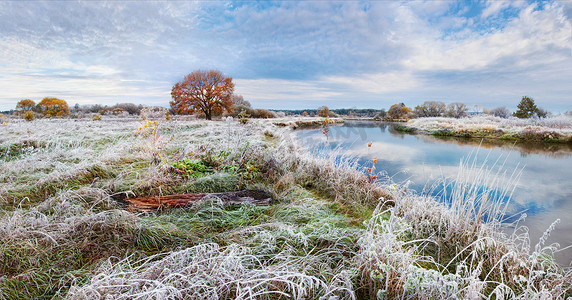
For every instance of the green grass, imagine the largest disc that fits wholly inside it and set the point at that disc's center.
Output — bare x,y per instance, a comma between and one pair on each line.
329,232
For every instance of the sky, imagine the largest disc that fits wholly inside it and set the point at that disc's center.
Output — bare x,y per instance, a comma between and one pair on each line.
290,54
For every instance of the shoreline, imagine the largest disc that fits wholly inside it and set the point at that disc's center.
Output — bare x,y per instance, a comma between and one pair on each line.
490,128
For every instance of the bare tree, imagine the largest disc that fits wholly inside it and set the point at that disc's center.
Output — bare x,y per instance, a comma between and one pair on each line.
501,112
457,110
430,109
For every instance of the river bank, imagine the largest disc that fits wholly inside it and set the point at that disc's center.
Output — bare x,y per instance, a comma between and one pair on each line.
556,129
331,231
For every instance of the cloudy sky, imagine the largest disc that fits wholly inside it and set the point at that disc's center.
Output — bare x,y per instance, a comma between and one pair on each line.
291,54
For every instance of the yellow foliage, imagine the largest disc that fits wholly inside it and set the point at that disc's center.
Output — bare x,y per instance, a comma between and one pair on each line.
53,107
29,116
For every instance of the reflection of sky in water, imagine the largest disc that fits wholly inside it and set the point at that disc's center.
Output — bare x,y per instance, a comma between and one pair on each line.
544,191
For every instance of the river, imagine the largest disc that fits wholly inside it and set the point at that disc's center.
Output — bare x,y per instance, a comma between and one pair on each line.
543,192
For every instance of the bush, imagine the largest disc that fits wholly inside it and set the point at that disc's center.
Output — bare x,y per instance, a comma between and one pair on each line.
96,118
501,112
252,113
398,112
324,112
29,116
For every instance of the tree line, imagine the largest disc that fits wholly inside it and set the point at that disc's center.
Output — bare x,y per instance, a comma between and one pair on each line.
211,93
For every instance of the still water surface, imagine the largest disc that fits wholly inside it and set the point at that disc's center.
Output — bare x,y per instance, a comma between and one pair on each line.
544,191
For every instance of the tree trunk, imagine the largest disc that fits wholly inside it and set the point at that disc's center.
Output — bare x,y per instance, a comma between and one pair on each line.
155,203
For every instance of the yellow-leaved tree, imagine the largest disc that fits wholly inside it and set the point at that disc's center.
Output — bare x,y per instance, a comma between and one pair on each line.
53,107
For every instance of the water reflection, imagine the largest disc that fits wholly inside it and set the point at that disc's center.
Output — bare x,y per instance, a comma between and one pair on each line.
544,191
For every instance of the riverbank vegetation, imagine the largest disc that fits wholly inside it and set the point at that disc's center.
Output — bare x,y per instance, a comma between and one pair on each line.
554,129
332,232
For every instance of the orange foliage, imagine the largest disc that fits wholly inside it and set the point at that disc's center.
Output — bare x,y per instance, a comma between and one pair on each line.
324,112
26,105
209,92
53,107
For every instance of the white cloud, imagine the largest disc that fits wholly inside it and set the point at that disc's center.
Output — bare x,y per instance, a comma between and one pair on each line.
493,8
536,37
285,51
280,89
377,83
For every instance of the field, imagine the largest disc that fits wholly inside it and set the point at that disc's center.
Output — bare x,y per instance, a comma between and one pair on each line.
332,233
556,129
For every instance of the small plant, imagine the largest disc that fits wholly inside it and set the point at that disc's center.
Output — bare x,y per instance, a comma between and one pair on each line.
96,118
150,130
192,168
326,126
168,116
371,171
29,116
243,117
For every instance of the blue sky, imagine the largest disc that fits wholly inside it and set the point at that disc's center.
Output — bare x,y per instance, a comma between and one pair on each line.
291,54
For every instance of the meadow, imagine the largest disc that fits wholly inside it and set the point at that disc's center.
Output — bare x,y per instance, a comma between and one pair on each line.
333,231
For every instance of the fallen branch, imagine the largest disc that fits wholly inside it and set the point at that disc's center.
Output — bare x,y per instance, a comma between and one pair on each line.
153,203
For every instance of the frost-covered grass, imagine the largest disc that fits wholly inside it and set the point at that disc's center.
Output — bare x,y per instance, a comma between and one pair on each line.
550,129
331,233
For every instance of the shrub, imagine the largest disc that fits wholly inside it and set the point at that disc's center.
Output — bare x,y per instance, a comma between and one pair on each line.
243,117
324,112
153,112
252,113
501,112
398,112
29,116
96,118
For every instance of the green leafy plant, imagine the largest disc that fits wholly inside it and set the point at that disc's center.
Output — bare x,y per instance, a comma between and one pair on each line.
192,168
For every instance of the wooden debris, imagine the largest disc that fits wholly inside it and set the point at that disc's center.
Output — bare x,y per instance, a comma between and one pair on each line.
154,203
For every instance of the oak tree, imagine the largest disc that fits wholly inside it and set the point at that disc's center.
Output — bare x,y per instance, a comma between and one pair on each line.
53,107
209,92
